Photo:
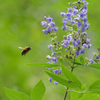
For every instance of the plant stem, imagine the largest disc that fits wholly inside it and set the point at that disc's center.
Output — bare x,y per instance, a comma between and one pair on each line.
66,93
68,81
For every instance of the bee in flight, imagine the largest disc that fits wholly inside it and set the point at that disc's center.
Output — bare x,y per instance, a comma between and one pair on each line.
25,50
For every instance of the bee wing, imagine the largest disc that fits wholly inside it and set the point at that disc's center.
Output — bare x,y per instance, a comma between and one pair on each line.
20,47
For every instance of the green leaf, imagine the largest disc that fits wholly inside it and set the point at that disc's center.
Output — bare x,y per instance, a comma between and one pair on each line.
96,66
77,62
43,65
71,77
82,61
38,91
15,95
95,86
60,80
90,96
74,96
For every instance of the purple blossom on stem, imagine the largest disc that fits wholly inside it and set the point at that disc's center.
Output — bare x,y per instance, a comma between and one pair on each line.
63,14
91,61
44,23
56,71
54,59
82,51
50,80
55,82
79,24
53,54
65,43
76,53
50,47
49,19
74,43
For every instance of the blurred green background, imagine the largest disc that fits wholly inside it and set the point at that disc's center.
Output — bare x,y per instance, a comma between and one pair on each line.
20,25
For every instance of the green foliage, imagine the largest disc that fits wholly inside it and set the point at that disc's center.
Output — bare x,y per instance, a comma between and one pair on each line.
71,77
36,94
15,95
38,91
96,66
95,87
20,26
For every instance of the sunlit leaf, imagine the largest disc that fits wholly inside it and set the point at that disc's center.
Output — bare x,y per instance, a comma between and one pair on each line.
74,96
96,66
90,96
71,77
95,85
38,91
15,95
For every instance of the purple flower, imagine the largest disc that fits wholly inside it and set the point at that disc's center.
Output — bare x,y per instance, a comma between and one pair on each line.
45,31
74,43
50,47
52,24
63,14
85,34
49,19
54,59
75,11
72,22
70,18
70,10
91,61
69,37
55,82
68,15
55,29
79,24
84,45
81,15
89,45
97,57
65,43
56,71
87,41
83,29
85,7
50,80
61,72
76,53
64,28
64,22
48,68
85,19
49,29
82,51
53,54
78,41
44,23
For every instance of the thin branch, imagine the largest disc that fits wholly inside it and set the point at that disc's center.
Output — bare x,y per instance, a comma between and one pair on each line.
72,67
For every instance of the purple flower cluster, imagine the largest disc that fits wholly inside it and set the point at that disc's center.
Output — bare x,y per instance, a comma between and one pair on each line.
57,72
76,15
75,42
49,24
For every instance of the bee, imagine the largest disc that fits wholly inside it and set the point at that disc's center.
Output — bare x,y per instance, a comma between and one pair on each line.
25,50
